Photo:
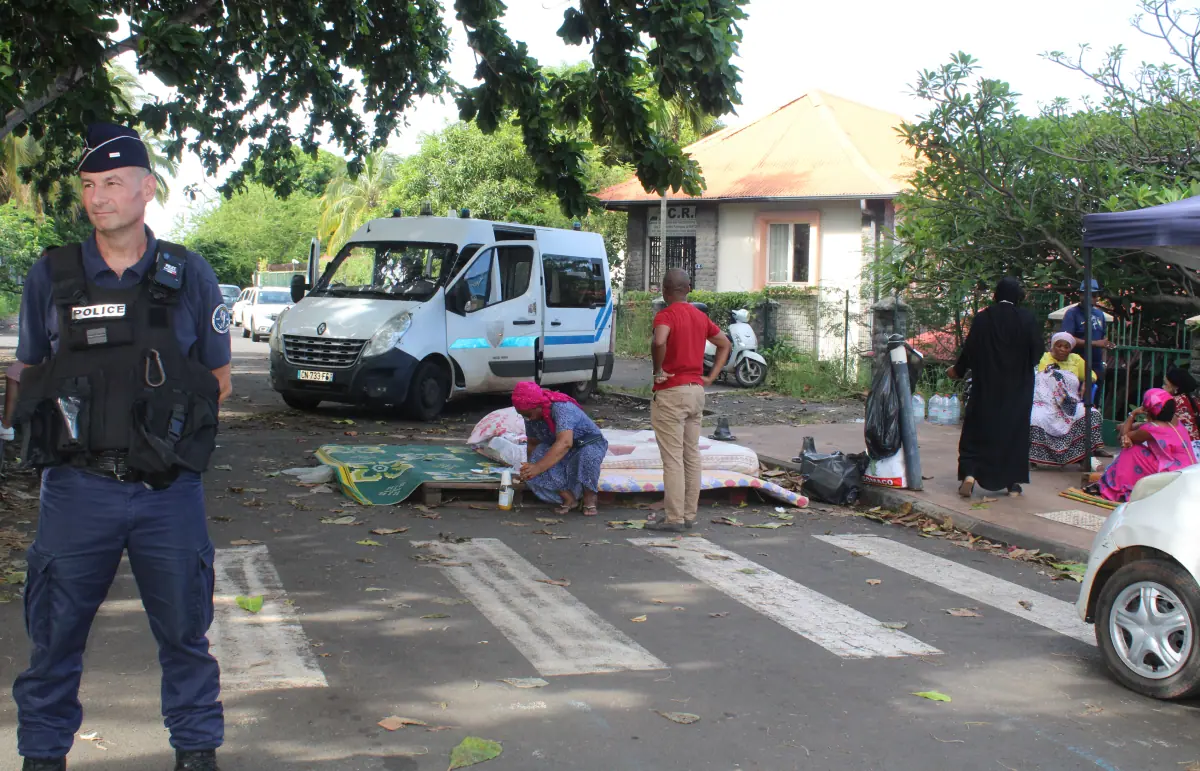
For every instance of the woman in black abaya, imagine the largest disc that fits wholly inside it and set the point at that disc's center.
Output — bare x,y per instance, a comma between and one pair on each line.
1002,350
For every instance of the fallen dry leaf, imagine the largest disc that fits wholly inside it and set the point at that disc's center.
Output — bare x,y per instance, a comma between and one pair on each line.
389,530
525,682
718,615
874,581
481,507
543,531
716,557
243,542
897,625
554,581
549,521
394,722
683,718
1026,604
368,542
510,523
638,619
962,612
349,519
435,615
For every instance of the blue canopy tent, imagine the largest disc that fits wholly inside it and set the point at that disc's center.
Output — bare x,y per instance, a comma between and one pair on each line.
1170,231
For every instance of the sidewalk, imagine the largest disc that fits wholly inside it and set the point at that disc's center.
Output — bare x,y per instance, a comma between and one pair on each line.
1038,519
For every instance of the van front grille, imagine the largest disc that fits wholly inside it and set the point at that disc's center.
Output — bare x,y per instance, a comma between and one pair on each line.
332,353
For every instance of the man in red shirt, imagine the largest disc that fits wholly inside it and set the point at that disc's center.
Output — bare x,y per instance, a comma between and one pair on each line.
680,330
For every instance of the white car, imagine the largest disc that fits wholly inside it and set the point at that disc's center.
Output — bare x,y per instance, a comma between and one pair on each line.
258,308
1141,588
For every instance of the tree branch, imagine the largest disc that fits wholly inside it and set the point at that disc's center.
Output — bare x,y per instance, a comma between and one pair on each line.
64,82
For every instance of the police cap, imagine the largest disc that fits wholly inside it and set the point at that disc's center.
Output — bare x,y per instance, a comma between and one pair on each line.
110,146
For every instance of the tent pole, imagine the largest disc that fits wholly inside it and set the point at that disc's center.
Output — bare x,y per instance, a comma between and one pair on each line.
1087,360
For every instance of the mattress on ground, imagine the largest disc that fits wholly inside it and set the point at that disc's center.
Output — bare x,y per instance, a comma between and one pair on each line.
651,481
632,450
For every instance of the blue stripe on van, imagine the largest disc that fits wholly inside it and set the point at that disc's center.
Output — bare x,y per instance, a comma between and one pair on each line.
518,342
469,342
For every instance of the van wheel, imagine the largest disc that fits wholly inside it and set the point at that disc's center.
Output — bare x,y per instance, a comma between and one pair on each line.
1146,624
581,392
427,392
245,331
302,403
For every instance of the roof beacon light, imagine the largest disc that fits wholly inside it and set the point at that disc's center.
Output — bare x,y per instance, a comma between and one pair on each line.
427,209
397,213
576,225
465,213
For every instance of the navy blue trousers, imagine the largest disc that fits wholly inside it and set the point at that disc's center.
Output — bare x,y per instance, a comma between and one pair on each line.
87,523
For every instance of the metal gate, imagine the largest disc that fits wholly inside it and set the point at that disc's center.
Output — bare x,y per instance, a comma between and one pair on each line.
1132,369
681,253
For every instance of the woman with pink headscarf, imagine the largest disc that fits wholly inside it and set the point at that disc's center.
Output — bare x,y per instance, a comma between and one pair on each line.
565,448
1160,444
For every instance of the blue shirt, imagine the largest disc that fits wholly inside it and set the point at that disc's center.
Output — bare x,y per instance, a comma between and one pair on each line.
200,319
1072,323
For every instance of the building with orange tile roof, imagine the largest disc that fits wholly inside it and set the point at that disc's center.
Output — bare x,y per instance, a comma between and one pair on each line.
801,197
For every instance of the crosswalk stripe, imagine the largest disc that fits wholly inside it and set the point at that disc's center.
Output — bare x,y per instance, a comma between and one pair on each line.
547,624
982,587
263,651
836,627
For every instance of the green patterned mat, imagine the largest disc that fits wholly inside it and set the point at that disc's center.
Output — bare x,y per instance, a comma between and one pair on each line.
385,474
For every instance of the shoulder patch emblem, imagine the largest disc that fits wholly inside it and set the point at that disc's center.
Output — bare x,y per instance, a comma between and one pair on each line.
222,319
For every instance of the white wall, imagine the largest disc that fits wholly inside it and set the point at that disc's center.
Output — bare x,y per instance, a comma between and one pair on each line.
840,266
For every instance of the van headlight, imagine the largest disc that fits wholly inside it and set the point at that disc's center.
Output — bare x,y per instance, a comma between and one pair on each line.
1147,486
389,335
275,341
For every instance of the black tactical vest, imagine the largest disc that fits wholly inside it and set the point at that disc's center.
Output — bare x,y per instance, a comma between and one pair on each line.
118,383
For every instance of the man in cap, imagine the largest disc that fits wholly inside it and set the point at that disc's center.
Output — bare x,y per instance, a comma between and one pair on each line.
1072,323
126,342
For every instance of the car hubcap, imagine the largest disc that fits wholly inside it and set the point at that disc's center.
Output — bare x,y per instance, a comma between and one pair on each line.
1151,630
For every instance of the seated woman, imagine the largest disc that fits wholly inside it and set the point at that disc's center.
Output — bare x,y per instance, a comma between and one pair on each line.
565,448
1160,444
1056,425
1182,386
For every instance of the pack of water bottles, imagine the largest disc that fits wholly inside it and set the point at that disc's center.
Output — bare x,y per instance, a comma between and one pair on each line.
944,409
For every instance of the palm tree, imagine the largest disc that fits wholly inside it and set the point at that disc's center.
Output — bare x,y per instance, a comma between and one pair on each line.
349,201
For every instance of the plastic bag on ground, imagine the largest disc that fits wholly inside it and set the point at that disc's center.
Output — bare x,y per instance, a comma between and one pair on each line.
832,477
313,475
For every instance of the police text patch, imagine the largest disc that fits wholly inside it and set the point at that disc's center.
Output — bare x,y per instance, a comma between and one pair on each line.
221,319
106,311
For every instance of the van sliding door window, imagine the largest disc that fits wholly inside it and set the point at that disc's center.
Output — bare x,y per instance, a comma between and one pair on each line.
573,282
516,263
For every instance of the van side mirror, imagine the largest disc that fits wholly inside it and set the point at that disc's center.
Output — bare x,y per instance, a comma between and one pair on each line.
299,287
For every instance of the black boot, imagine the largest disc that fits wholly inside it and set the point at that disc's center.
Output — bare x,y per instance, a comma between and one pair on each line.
44,764
196,760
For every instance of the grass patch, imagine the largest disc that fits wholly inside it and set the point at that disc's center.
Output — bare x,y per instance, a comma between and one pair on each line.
645,391
807,378
633,325
10,304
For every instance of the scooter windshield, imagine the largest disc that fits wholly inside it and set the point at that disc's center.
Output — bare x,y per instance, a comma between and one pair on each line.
404,270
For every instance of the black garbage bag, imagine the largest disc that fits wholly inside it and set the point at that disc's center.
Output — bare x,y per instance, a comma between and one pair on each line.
832,477
883,415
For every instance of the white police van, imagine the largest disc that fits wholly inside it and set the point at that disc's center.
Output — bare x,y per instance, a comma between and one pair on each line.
414,311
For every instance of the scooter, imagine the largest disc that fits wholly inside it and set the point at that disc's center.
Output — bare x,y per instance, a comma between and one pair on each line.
746,364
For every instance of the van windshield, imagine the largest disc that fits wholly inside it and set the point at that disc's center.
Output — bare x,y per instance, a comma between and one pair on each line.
408,270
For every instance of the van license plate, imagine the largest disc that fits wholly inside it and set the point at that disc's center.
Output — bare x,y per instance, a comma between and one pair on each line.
315,376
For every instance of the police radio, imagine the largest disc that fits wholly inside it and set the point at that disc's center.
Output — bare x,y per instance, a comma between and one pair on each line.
168,275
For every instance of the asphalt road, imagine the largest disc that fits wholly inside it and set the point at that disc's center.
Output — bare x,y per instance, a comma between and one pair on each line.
797,648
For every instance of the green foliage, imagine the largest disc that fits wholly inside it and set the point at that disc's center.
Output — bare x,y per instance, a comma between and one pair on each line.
633,324
490,174
23,236
996,192
253,228
350,69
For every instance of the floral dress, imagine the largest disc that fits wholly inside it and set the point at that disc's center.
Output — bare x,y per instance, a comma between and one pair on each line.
579,469
1168,449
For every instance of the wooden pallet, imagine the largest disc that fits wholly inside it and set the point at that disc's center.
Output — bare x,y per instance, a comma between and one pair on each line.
433,492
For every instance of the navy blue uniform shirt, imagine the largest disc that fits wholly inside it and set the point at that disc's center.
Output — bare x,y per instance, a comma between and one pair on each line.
200,319
1072,323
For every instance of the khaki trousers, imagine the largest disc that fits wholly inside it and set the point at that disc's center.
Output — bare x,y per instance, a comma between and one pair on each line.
675,415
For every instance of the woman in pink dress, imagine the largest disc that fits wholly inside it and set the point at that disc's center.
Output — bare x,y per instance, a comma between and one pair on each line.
1160,444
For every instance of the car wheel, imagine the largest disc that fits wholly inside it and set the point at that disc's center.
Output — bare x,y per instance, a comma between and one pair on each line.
427,392
245,331
1146,625
581,392
302,403
750,373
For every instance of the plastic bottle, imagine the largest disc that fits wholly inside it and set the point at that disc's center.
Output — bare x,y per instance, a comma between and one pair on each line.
936,409
953,412
506,490
918,407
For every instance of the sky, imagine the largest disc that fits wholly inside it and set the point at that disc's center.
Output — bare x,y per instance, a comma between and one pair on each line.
870,51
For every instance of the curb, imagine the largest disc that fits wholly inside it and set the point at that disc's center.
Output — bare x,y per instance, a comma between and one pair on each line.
892,499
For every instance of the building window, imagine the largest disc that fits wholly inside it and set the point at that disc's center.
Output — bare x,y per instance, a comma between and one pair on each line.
787,253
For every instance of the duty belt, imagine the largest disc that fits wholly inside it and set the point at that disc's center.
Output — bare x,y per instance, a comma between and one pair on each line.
109,464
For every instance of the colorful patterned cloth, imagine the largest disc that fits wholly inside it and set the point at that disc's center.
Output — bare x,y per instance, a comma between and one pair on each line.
386,474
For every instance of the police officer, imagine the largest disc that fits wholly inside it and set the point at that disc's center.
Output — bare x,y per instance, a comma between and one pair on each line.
126,339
